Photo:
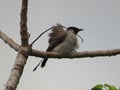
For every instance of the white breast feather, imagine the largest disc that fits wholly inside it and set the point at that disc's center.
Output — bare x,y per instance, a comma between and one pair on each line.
68,45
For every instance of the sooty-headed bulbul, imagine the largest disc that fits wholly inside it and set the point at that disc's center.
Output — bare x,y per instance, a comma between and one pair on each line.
62,41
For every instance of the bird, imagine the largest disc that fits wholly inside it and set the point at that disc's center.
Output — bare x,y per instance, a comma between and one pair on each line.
61,41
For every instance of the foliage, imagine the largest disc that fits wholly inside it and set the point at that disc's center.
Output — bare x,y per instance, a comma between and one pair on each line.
104,87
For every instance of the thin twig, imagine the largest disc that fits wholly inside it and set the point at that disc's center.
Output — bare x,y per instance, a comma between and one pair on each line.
40,36
37,65
81,38
45,32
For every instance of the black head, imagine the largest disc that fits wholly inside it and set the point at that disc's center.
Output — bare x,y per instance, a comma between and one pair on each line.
75,29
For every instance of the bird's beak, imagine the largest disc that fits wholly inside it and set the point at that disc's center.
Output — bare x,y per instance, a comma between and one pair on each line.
80,29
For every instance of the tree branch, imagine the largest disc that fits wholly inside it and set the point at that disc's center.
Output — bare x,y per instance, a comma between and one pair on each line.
23,51
82,54
23,23
16,72
9,41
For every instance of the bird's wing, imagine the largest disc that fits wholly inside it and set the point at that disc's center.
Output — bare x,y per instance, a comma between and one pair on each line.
56,42
57,36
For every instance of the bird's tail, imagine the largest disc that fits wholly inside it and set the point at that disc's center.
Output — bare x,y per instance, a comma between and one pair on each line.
44,62
37,65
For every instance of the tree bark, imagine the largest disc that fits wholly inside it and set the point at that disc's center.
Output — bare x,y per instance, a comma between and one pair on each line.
9,41
16,72
82,54
22,56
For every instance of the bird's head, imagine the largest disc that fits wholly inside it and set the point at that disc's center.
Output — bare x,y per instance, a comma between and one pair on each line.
75,29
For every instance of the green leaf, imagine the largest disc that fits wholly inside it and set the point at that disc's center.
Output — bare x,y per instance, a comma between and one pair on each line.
97,87
110,87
